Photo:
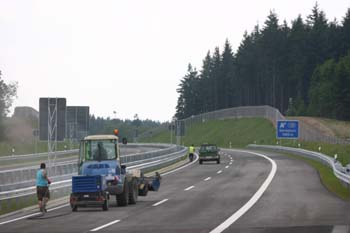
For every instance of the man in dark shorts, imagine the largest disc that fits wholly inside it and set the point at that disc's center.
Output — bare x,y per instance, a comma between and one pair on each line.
42,187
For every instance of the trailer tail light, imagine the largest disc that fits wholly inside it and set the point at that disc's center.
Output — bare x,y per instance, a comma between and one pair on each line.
72,200
100,199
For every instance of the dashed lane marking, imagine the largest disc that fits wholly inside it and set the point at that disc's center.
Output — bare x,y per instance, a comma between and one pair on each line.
208,178
106,225
189,188
161,202
219,171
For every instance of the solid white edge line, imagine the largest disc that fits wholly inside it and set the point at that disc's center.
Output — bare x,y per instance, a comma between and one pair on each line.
234,217
219,171
169,172
161,202
58,207
189,188
20,218
208,178
31,215
106,225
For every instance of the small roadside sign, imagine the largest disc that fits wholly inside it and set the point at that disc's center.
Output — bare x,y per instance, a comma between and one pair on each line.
288,129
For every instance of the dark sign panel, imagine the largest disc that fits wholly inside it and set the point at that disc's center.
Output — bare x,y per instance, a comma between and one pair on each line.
52,118
77,121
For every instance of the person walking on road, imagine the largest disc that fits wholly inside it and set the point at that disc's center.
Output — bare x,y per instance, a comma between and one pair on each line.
42,187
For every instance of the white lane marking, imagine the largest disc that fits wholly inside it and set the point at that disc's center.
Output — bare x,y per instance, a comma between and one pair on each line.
161,202
230,163
208,178
252,200
169,172
340,229
227,166
106,225
219,171
31,215
58,207
189,188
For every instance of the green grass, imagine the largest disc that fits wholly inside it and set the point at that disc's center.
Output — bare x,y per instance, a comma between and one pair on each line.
329,180
13,205
238,132
343,151
29,148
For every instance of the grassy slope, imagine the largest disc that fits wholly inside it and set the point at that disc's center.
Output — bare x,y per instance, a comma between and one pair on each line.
222,132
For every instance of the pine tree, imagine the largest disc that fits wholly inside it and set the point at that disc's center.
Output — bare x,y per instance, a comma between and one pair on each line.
206,88
215,76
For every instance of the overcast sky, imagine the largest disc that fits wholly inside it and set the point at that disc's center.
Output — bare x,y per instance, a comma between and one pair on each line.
124,56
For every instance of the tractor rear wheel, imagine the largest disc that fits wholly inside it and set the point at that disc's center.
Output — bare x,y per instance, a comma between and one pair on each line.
122,199
133,192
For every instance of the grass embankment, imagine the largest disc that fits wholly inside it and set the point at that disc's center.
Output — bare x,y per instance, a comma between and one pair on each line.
343,151
30,148
241,132
238,132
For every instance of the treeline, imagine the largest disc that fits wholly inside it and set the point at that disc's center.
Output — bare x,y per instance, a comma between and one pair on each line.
7,94
302,69
127,128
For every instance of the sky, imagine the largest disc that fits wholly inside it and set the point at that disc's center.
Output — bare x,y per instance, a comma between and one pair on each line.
125,56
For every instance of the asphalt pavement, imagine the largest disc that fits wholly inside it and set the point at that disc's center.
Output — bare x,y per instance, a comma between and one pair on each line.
199,198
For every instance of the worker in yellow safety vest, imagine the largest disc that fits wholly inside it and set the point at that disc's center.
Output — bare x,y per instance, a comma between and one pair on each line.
191,151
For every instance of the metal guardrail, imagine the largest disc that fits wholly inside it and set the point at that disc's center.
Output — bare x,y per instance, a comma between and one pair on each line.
61,188
75,151
19,175
338,170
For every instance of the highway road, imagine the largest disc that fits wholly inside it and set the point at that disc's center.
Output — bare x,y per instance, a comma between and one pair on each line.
246,193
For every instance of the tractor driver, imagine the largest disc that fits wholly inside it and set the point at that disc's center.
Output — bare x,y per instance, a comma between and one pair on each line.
100,152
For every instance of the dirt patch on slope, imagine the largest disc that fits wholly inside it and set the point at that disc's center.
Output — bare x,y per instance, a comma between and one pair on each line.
316,124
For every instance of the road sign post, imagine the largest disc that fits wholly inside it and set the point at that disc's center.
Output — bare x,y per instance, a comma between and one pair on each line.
287,129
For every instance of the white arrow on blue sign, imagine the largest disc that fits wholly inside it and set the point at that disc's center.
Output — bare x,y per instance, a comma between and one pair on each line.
288,129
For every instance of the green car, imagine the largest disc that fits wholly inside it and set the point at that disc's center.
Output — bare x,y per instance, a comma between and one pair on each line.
209,152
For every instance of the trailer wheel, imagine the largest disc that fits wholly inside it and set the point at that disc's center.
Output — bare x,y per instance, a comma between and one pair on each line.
200,161
122,199
144,191
133,192
218,161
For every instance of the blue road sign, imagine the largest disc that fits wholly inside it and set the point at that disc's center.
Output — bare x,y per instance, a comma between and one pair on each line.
288,129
